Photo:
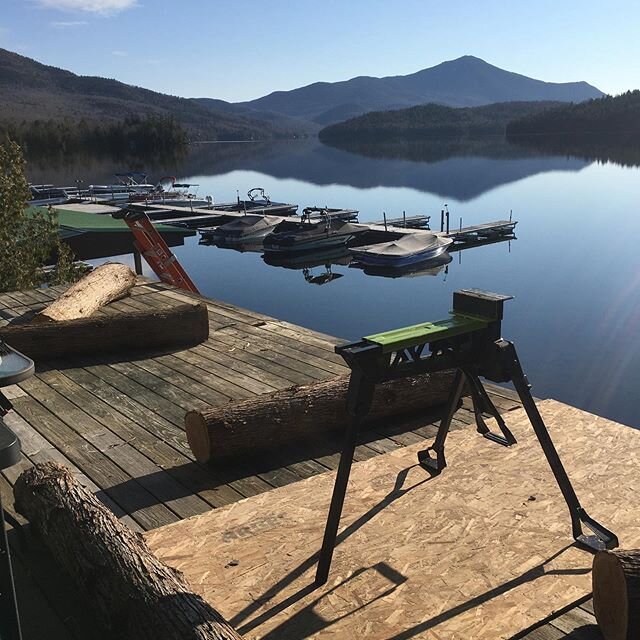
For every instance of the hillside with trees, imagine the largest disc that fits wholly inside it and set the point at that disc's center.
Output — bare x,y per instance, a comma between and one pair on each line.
132,137
432,120
609,115
31,91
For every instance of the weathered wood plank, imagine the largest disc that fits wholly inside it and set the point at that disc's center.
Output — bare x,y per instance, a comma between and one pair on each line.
36,448
303,372
241,362
179,465
125,491
547,632
579,623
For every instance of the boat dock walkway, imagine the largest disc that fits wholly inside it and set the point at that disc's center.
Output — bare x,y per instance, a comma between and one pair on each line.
117,423
393,228
482,231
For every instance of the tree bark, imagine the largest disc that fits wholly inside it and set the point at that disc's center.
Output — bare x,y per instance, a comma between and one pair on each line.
136,595
279,418
179,326
616,593
104,284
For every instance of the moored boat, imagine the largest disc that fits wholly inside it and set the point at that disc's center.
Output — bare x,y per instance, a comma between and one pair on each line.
432,267
243,229
308,236
130,183
48,194
258,202
406,250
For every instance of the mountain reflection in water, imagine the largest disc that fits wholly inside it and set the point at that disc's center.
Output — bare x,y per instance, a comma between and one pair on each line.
576,312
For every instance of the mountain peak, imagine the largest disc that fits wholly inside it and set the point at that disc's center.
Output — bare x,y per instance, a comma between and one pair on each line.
467,59
467,81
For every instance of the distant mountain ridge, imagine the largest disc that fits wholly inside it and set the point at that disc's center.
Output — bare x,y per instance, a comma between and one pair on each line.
30,90
465,82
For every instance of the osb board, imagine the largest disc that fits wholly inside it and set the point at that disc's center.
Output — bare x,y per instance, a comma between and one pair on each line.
482,551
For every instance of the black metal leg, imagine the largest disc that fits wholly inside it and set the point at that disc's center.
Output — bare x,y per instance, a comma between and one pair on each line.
482,402
9,620
359,400
437,464
602,538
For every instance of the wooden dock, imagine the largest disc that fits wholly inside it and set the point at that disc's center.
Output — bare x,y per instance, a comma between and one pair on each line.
118,424
482,231
381,231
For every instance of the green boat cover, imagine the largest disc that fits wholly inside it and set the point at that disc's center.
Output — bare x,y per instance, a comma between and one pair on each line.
98,223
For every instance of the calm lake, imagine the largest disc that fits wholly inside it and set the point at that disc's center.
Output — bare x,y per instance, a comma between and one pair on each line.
574,268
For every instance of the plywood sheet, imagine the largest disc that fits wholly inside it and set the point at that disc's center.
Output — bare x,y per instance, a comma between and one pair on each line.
482,551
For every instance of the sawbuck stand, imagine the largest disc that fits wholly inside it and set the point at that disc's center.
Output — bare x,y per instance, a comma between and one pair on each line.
470,343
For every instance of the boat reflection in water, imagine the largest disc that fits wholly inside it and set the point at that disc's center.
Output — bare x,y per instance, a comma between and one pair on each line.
432,267
316,266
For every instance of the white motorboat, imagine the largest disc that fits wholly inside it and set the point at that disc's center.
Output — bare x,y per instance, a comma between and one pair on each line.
406,250
243,229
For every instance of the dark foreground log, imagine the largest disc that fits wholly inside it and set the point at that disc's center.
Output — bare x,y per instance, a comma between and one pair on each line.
136,596
280,418
179,326
616,593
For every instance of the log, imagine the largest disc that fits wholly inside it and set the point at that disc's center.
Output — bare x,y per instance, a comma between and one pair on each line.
180,326
106,283
616,593
135,595
282,417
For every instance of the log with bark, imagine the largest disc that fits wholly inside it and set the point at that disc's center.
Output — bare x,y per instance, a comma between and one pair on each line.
180,326
135,595
276,419
104,284
616,593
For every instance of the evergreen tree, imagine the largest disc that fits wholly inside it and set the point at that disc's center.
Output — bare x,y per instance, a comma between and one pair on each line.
28,237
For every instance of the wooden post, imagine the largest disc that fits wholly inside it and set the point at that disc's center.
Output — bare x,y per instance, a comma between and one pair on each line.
137,261
136,596
616,593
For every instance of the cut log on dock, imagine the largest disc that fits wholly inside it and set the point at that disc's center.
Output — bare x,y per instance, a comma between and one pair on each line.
280,418
180,326
103,285
137,596
616,593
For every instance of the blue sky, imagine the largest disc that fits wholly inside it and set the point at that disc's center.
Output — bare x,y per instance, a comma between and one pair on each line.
242,49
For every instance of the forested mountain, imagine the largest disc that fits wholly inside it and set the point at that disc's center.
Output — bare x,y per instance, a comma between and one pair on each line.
278,121
30,90
465,82
432,120
608,115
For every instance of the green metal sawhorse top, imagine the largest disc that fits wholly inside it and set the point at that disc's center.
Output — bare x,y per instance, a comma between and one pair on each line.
412,336
466,317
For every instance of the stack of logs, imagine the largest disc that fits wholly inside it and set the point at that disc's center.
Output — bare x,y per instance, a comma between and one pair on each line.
68,326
